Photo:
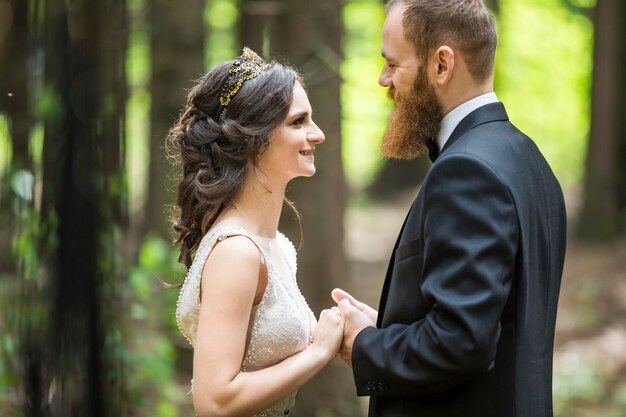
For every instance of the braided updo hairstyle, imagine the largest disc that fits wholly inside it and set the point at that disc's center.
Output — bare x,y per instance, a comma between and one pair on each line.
215,154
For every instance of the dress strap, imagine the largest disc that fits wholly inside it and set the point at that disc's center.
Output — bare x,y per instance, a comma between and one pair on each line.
188,304
225,236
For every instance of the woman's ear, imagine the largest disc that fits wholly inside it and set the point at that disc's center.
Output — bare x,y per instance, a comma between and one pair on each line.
444,64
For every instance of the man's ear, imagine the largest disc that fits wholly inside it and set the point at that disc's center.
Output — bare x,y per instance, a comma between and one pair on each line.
444,64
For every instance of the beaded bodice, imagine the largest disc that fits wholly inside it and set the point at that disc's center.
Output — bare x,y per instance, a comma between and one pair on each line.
280,325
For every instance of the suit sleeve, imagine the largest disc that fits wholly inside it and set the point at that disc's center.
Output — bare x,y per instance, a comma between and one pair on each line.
470,241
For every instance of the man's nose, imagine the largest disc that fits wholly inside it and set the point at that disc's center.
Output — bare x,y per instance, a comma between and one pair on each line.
384,80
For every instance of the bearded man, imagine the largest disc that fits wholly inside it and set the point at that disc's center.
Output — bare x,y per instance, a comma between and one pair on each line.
466,320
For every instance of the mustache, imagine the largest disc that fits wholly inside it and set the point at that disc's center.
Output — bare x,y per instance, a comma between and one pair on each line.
392,94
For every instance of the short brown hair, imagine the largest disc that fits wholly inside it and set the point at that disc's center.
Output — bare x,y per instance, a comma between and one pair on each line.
464,24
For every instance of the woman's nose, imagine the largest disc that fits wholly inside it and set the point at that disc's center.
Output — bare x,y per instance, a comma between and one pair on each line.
316,135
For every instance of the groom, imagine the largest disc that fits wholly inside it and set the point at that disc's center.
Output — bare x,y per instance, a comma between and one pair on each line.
466,320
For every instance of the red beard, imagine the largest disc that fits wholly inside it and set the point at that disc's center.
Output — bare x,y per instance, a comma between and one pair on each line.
415,120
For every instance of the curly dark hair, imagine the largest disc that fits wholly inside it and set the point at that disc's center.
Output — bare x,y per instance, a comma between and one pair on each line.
216,154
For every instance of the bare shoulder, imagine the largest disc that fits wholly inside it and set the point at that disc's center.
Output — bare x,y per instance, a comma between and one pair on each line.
236,256
239,248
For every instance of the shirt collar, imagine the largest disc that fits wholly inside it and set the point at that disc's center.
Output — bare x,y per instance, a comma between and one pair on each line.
454,117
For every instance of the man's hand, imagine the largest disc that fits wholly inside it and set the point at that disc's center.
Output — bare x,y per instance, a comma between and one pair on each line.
338,294
356,319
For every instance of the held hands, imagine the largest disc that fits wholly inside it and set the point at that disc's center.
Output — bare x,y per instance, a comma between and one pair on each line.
337,327
357,316
328,333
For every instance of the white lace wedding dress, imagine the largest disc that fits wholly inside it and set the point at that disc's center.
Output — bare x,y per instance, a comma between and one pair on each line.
280,325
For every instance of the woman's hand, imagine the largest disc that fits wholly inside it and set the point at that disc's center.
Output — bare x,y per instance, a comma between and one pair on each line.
357,316
328,333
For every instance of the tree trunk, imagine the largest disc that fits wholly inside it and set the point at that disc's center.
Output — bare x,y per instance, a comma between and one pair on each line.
84,75
15,104
309,34
397,177
494,6
254,20
603,213
14,97
115,34
177,47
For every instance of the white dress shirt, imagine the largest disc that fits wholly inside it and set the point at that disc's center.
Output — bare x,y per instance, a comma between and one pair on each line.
454,117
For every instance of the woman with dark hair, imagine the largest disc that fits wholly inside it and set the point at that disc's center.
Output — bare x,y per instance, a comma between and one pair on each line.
244,133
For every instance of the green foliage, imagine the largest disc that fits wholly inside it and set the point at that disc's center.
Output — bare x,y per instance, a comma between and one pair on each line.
587,4
35,145
23,315
579,380
364,103
620,398
31,234
138,59
221,18
5,146
149,346
137,110
543,66
588,381
49,107
137,149
8,350
25,246
150,353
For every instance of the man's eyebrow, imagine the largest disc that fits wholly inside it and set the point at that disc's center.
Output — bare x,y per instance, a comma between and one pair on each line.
386,57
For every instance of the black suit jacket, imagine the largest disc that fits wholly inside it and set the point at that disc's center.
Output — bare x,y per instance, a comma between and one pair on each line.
467,313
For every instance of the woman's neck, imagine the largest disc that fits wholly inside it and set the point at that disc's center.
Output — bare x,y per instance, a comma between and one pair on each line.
257,208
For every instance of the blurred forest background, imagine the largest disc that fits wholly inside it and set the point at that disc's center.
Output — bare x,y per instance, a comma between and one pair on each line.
88,90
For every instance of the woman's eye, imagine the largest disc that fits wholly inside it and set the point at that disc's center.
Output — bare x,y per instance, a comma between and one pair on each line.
299,121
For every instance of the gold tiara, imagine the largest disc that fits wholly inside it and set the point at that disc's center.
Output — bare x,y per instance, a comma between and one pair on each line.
248,66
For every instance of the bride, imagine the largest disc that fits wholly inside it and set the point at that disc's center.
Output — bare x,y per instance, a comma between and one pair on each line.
244,133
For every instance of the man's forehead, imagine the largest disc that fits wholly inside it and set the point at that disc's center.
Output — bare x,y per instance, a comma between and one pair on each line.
393,28
395,15
394,44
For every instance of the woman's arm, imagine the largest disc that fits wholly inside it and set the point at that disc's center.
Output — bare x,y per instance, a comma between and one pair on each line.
229,284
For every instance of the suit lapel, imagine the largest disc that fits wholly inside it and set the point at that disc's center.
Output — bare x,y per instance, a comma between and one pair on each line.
385,290
492,112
